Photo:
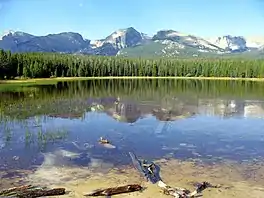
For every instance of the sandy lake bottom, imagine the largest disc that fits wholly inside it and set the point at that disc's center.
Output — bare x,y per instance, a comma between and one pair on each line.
236,180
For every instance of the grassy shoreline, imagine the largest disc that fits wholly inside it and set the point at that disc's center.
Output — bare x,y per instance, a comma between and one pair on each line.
54,80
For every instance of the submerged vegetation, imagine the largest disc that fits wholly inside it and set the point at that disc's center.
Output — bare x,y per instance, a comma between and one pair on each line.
34,133
46,65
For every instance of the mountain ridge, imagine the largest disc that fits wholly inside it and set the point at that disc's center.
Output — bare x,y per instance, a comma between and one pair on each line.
131,42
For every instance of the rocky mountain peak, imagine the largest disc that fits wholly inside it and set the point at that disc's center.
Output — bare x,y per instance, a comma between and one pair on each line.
169,35
72,37
165,43
231,43
15,35
123,38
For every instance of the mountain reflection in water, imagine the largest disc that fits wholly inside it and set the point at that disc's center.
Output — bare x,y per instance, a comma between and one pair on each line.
155,119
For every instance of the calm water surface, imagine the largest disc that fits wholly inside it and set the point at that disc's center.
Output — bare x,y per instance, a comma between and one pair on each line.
210,121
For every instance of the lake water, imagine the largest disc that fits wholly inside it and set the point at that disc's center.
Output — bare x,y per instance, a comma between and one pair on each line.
201,121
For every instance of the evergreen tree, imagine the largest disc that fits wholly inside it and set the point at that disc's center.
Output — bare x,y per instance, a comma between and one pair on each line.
44,65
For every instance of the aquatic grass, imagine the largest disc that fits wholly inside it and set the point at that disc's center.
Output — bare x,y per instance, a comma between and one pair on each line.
50,136
28,134
32,136
7,135
37,121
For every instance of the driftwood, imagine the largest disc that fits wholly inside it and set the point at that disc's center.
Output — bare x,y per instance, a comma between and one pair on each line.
152,174
115,191
29,191
178,192
148,170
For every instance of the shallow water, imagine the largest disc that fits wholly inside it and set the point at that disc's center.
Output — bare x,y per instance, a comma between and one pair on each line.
60,125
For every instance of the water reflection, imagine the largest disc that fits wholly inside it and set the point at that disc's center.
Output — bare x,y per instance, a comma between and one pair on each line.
127,111
179,119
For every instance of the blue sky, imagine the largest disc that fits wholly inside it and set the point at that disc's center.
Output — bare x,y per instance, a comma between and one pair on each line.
98,18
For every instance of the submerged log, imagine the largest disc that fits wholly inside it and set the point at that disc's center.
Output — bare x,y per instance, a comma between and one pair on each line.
14,189
115,191
31,192
41,193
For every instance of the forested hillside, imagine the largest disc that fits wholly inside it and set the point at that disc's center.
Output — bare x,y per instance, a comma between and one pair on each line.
46,65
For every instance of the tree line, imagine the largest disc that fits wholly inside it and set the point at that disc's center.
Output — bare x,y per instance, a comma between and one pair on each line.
46,65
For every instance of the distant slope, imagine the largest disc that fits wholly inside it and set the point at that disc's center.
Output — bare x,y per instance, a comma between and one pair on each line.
165,49
158,49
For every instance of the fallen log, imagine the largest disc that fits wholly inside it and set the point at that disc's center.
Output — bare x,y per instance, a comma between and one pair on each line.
115,190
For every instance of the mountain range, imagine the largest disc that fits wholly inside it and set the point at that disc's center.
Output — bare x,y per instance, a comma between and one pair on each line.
131,43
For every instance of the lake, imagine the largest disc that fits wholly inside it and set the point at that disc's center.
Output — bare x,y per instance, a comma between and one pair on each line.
198,121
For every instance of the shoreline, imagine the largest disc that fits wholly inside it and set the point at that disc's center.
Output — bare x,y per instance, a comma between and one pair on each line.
50,80
79,180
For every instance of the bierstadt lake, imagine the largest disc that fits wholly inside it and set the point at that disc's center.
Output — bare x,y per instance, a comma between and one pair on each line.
187,123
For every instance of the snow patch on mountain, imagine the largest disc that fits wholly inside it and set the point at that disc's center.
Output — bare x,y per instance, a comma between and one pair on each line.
201,50
176,33
255,42
96,43
202,43
170,44
6,33
251,44
116,34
